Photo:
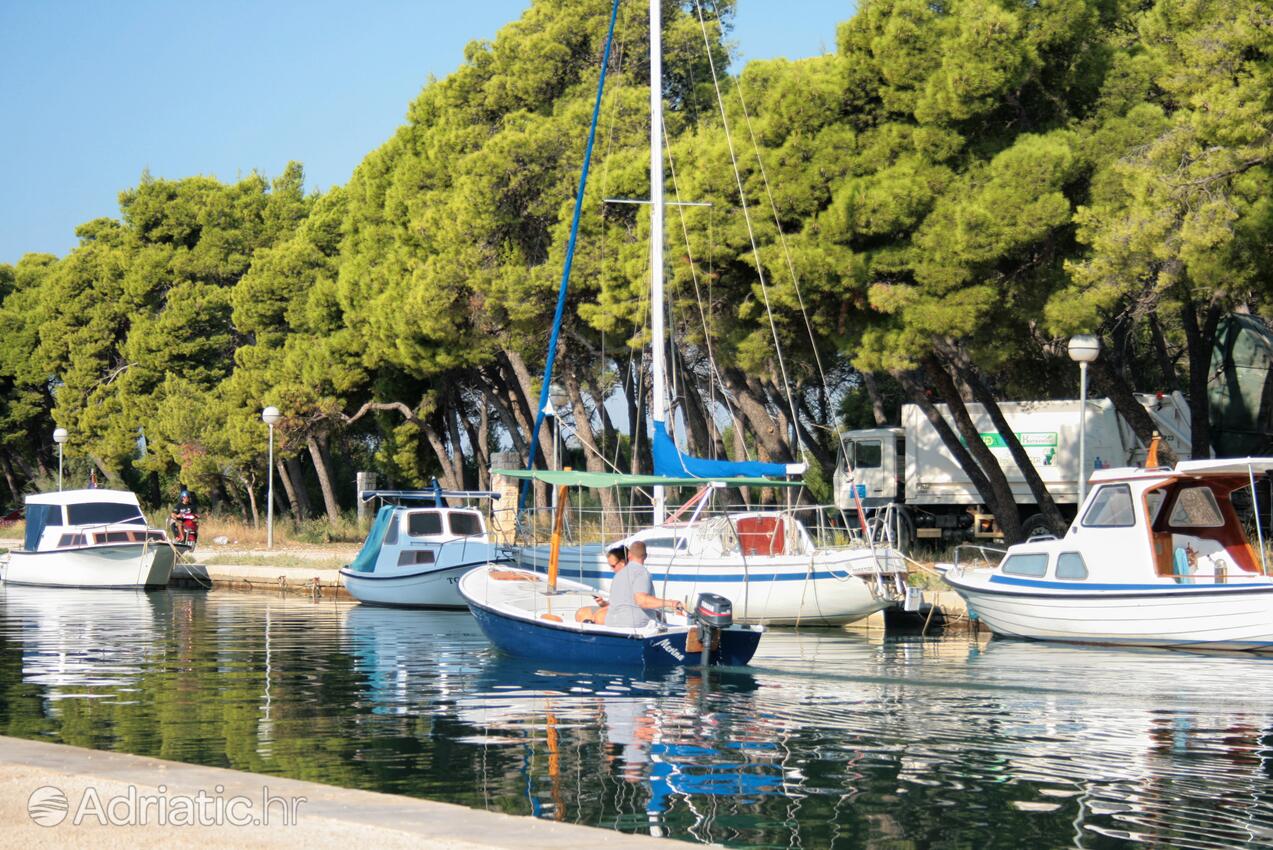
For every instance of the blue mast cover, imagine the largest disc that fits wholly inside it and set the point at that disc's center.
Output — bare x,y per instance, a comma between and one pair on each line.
670,461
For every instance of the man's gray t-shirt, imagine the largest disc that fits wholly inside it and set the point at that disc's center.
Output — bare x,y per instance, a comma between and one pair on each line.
628,582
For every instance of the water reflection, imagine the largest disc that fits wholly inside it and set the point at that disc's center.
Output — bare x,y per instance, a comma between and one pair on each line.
830,740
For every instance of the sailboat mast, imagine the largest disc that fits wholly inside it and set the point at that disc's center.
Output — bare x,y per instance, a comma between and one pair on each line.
657,332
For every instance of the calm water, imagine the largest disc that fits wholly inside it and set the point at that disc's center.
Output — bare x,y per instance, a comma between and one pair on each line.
830,740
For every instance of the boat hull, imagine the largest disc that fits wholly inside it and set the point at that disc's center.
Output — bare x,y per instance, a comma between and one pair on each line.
529,633
1231,617
435,588
834,589
114,565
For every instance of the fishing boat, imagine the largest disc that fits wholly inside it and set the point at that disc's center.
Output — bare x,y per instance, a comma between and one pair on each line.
766,561
89,538
1155,557
531,615
419,546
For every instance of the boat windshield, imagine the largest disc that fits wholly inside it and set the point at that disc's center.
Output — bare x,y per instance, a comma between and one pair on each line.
103,513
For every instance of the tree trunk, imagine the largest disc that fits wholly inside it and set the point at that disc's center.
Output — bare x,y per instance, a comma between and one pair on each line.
319,455
462,470
1111,384
696,436
877,400
1201,339
1002,503
15,494
251,491
289,489
297,476
981,393
748,396
591,456
1165,364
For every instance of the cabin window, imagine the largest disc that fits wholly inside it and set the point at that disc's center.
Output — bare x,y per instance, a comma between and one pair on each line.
1111,508
391,536
103,513
415,556
666,543
71,540
40,517
424,523
1034,565
1154,501
868,454
1070,565
1196,508
465,524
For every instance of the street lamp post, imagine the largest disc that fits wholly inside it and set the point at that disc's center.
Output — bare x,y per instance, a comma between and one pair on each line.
60,436
1083,349
270,415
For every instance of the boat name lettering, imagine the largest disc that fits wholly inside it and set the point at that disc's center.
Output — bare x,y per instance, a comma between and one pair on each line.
671,650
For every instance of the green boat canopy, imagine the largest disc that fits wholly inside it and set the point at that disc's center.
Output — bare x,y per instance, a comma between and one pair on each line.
572,478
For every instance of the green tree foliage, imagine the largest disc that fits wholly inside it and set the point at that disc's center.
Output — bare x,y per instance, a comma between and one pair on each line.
930,210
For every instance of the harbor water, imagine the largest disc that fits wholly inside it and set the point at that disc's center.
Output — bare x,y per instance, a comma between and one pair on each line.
830,740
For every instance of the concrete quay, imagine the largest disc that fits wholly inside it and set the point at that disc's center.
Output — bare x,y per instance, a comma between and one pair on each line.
315,581
45,788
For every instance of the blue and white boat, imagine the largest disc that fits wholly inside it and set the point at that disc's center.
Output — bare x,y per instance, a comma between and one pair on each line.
1155,557
524,615
419,547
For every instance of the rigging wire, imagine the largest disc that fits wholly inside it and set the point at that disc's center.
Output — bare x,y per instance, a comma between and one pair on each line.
751,233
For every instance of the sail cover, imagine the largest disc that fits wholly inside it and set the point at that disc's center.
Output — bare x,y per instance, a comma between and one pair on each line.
671,462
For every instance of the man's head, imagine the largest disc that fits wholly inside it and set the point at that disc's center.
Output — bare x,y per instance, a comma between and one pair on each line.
636,552
185,497
617,556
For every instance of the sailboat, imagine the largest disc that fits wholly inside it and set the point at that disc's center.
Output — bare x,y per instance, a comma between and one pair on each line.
768,562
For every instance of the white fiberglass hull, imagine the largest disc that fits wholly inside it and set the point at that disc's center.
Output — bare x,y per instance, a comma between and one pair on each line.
435,588
113,565
833,588
1233,616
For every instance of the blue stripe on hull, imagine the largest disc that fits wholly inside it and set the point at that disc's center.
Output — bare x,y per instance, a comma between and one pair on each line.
700,578
545,642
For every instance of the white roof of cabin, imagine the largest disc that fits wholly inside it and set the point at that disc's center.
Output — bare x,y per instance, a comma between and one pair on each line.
78,497
1226,466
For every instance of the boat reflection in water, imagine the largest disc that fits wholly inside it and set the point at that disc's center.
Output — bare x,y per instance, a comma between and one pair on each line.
828,740
85,638
1187,726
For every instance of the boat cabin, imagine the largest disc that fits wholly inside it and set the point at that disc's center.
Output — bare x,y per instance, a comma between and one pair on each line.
419,531
752,533
1153,525
78,518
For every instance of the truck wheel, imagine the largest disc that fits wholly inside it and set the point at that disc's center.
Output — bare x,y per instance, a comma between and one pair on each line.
1036,524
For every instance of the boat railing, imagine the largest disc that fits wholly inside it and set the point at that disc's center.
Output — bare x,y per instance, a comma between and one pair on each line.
826,526
987,556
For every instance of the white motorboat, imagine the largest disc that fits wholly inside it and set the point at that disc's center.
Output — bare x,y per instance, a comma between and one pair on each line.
766,562
1156,557
419,547
89,538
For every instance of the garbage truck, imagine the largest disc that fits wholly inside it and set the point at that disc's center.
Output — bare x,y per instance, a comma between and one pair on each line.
905,480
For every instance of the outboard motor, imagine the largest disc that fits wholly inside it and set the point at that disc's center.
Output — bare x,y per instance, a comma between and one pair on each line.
712,612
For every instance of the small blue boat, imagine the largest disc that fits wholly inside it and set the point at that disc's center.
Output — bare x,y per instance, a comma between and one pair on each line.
518,613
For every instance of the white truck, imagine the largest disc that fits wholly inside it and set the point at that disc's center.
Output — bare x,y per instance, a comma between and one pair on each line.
906,476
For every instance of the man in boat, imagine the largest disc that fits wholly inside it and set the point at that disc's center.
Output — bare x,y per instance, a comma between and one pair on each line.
631,592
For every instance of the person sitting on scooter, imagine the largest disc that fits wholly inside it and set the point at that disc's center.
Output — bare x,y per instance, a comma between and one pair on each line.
184,509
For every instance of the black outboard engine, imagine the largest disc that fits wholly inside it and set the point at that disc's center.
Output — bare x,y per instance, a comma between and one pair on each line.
712,612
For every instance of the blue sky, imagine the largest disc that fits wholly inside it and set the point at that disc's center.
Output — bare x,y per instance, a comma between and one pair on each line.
92,93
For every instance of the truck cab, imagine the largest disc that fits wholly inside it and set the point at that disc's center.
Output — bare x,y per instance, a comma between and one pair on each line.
873,462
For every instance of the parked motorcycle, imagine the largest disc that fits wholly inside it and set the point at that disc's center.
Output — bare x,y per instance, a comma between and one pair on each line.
183,528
